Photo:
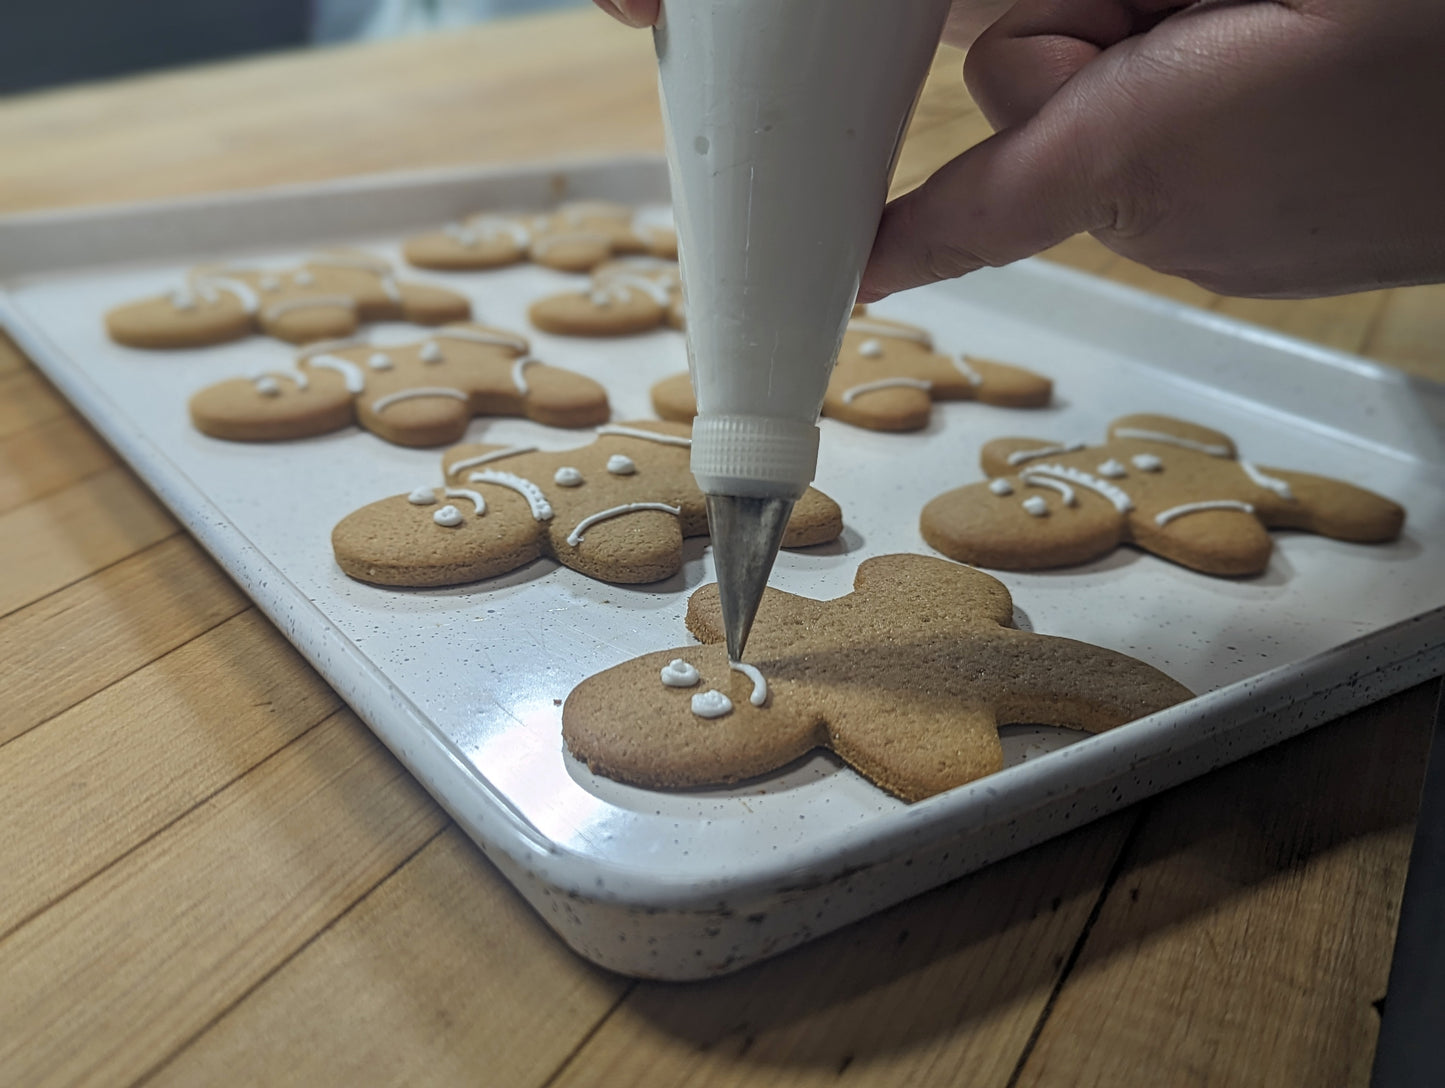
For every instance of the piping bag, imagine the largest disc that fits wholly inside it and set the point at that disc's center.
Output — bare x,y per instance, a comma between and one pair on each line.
783,120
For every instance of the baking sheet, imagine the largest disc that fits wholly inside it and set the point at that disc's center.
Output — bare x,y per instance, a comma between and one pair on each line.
466,684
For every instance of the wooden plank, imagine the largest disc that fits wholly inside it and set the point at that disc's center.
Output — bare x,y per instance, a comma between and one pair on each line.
1410,333
89,785
1343,323
57,540
12,360
28,400
66,647
1251,926
120,973
943,990
1083,252
446,973
43,459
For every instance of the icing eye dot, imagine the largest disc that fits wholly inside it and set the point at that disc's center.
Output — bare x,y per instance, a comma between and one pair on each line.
380,361
268,386
871,348
711,704
449,517
422,496
601,299
619,464
1036,506
1147,462
1112,469
431,352
303,279
270,283
182,300
567,476
677,673
1001,487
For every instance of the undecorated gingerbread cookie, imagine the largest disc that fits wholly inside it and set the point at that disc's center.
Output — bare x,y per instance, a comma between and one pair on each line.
907,679
325,298
628,295
616,510
887,378
1172,488
575,238
418,394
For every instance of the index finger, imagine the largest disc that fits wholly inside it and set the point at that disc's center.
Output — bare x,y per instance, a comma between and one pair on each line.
632,12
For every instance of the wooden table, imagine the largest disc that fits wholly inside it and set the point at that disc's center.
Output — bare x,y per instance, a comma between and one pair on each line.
210,872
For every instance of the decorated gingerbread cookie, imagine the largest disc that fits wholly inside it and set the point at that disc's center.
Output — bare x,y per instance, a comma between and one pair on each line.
577,237
627,295
617,510
1172,488
418,394
907,679
887,378
327,297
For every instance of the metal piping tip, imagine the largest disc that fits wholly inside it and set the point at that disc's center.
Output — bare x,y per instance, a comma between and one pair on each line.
746,534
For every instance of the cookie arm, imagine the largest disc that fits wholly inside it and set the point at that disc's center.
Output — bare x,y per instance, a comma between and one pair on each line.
1335,509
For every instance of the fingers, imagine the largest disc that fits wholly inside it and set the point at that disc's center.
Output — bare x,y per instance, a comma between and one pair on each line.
632,12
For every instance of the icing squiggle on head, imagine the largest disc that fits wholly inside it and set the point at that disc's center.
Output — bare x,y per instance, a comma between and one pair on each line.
355,379
1116,495
650,436
760,683
1143,435
1164,517
1037,479
266,383
575,537
960,364
711,704
890,332
421,391
1018,457
677,673
519,380
483,458
850,395
207,285
541,508
479,504
1272,483
477,336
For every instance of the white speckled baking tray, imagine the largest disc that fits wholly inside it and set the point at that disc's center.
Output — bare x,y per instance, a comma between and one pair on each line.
465,684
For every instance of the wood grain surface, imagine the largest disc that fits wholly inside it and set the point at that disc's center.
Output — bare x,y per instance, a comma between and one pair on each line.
214,874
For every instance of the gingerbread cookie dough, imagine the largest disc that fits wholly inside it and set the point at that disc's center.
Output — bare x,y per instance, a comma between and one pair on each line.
887,378
325,298
418,394
616,510
577,237
1173,488
628,295
907,679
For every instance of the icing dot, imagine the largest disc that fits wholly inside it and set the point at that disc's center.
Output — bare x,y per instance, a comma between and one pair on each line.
601,299
182,301
619,464
303,279
567,476
380,361
711,704
1036,506
1147,462
270,283
870,348
677,673
1112,469
268,386
448,516
422,496
431,352
1001,487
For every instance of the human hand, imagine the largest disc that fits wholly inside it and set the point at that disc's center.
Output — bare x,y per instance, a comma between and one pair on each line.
1277,148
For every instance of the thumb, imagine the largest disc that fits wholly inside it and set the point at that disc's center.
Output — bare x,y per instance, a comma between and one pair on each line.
632,12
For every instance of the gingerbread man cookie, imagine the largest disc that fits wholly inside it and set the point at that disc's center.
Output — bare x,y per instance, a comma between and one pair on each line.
418,394
1172,488
576,238
325,298
907,679
627,295
887,378
616,510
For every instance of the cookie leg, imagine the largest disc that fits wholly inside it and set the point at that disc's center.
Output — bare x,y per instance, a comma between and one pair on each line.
918,753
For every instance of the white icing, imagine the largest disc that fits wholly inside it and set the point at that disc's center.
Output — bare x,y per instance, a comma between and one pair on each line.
431,352
421,391
208,285
760,684
448,517
850,395
541,508
658,292
1147,462
182,299
575,537
519,380
1172,440
355,379
585,237
270,282
619,464
711,704
1018,457
890,332
266,383
1036,506
389,287
1115,494
567,476
379,361
1166,516
484,458
870,348
460,234
491,226
303,278
286,305
650,436
1272,483
960,364
479,504
677,673
477,336
326,347
1113,469
1035,479
422,496
1001,487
